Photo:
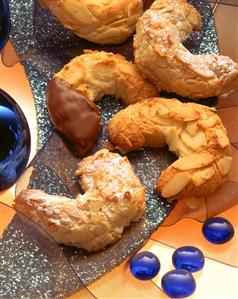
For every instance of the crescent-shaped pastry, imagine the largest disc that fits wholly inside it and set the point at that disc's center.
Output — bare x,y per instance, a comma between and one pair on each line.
113,198
99,21
84,80
193,132
163,60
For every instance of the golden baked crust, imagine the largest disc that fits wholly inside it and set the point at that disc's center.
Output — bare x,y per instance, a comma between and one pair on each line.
84,80
162,58
193,132
113,198
99,21
97,73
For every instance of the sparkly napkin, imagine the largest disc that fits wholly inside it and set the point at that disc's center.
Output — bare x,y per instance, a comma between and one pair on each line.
44,46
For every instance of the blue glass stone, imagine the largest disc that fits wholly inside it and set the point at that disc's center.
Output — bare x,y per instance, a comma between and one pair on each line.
145,265
14,141
4,23
218,230
178,284
188,258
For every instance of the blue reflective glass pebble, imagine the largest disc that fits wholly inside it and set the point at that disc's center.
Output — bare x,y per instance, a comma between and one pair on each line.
218,230
178,284
188,258
144,265
14,141
4,23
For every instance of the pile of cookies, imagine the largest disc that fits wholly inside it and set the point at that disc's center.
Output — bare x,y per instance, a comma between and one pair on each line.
114,196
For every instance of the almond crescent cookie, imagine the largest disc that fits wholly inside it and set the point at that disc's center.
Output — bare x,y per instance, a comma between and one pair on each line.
84,80
193,132
99,21
113,198
163,60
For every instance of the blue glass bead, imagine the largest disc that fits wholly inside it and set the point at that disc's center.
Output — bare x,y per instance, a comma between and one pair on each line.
188,258
14,141
144,265
178,284
218,230
4,23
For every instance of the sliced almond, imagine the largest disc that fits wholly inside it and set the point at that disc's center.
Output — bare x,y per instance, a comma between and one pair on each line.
192,128
196,141
224,165
162,110
222,138
172,139
201,177
154,117
184,113
176,184
183,149
204,116
198,180
207,123
193,161
207,173
164,121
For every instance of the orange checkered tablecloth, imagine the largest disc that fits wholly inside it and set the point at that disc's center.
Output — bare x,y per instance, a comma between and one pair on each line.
219,278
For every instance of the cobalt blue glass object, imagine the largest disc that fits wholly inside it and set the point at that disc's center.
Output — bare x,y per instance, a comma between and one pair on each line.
4,23
144,265
188,258
14,141
218,230
178,284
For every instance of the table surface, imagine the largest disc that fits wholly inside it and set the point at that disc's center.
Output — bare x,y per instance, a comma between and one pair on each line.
219,278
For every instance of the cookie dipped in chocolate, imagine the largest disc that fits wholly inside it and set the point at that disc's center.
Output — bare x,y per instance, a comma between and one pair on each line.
73,115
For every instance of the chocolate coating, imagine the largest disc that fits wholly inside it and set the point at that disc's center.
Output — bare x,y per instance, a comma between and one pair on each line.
73,115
